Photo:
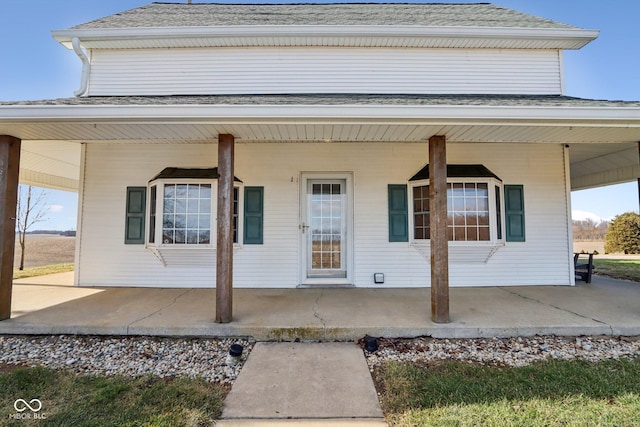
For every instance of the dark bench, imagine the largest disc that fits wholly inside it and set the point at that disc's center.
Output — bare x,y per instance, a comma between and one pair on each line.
584,270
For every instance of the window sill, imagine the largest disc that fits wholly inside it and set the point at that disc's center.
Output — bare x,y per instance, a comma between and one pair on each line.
180,247
462,252
187,255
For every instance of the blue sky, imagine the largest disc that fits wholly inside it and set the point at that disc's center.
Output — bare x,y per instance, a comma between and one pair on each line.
37,67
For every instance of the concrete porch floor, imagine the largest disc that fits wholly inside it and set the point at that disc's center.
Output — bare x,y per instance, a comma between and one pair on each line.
50,305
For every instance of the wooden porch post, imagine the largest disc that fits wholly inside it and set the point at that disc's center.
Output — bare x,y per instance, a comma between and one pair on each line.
9,169
224,258
438,225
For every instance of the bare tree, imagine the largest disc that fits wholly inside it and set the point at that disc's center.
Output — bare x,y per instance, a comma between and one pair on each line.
32,209
588,229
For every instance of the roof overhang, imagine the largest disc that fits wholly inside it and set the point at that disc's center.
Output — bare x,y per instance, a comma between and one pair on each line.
602,140
625,116
291,122
328,35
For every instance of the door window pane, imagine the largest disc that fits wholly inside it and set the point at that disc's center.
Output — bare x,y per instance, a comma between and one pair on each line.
326,210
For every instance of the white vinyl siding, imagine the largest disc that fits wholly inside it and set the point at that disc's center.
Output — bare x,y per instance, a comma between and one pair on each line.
211,71
104,260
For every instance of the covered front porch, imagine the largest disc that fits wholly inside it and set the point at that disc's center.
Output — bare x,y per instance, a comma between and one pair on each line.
583,143
52,305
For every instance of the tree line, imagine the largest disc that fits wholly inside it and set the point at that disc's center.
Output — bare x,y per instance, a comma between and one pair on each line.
589,230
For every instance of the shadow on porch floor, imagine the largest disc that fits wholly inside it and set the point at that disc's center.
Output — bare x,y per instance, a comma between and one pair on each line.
48,305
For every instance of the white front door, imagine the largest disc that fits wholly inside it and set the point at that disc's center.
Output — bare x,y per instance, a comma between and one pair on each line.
325,230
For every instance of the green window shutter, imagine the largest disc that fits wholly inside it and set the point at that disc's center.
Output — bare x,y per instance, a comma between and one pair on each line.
253,215
514,212
136,206
398,214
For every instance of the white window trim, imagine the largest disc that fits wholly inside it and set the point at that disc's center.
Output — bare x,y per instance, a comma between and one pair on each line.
240,225
160,183
493,226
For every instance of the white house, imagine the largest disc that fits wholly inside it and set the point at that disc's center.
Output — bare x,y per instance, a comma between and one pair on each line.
296,145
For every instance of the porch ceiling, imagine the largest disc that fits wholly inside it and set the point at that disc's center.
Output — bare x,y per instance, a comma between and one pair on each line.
595,165
603,136
50,164
335,131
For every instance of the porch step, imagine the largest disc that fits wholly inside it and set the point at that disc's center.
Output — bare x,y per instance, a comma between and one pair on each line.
314,382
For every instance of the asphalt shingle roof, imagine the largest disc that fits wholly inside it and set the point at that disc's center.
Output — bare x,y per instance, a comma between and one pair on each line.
423,14
338,99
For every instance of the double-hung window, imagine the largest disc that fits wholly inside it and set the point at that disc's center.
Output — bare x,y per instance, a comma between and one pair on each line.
474,208
186,214
182,208
180,211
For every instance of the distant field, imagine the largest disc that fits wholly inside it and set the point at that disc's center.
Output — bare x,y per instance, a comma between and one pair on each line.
46,249
588,246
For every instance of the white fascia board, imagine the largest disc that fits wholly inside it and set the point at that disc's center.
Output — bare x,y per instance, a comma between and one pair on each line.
566,38
442,114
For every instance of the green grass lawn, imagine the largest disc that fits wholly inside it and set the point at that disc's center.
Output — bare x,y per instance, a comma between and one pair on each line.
553,393
627,269
41,271
78,400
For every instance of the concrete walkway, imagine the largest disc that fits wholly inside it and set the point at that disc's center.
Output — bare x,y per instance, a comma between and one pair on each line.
49,305
315,382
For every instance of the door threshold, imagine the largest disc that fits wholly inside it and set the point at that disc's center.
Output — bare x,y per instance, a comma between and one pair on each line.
324,285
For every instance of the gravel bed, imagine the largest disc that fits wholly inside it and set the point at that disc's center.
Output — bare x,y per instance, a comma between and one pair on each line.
208,358
510,352
128,356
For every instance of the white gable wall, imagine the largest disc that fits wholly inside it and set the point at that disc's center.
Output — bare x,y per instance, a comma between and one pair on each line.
211,71
104,259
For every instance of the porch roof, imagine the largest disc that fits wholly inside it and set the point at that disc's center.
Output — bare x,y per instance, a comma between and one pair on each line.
603,135
336,99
